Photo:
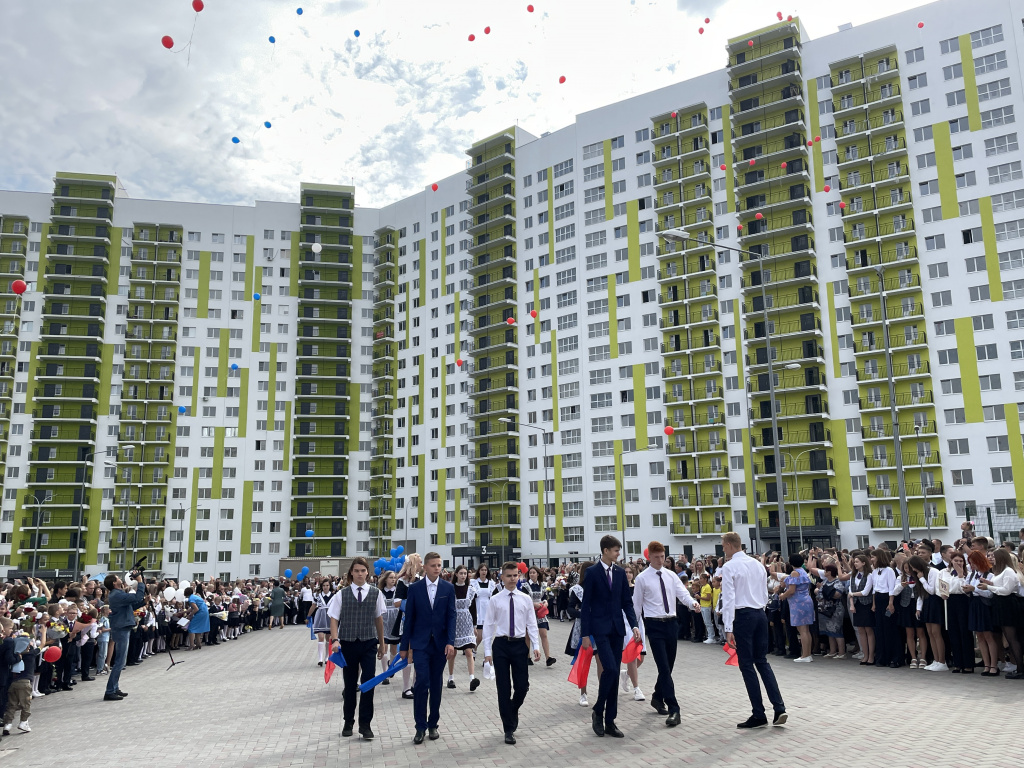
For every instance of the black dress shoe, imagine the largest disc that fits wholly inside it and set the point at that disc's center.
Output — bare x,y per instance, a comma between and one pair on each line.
473,684
753,722
611,730
319,663
510,738
122,694
88,679
365,732
551,660
418,738
673,720
595,721
659,706
347,730
408,694
111,697
780,718
433,734
385,681
451,684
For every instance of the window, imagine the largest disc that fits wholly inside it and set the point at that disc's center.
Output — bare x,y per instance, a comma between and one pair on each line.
994,90
915,55
964,180
953,72
955,98
963,477
949,46
990,63
987,36
922,107
995,117
998,174
917,81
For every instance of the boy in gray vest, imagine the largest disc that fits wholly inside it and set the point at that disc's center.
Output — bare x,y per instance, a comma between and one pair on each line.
357,626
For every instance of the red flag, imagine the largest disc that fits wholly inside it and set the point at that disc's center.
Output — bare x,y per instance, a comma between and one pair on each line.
328,671
632,651
580,670
732,661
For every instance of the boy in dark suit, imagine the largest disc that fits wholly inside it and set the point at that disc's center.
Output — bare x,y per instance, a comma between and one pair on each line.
605,598
430,632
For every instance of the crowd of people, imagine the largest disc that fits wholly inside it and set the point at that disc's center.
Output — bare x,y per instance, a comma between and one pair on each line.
927,605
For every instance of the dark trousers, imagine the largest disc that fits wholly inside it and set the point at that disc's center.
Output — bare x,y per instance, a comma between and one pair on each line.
360,655
750,628
887,634
662,643
120,638
778,636
961,641
511,678
429,664
67,663
609,651
88,653
683,621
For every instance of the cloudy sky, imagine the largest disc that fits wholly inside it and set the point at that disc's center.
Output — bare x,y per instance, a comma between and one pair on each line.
88,87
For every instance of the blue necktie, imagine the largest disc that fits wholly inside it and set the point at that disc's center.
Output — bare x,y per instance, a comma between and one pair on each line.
664,594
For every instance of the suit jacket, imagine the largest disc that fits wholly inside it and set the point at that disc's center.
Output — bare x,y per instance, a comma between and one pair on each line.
603,605
424,623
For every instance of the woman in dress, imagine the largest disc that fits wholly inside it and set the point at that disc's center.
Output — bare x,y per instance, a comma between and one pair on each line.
406,577
199,617
321,621
536,587
484,586
861,611
929,609
904,605
573,643
801,607
1006,605
277,596
958,607
465,624
979,616
386,583
831,610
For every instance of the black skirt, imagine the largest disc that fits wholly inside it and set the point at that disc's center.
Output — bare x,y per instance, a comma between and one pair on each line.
979,615
932,610
906,616
1006,611
862,616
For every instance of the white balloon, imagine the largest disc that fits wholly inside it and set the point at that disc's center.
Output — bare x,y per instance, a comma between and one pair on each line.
169,593
180,595
317,247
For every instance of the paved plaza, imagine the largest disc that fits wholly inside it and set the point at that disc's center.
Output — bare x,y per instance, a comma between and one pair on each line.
261,701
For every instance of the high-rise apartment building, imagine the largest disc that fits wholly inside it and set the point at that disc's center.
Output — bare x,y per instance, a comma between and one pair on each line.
490,368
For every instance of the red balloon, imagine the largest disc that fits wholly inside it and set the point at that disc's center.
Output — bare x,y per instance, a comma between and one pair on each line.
472,38
700,31
789,18
673,114
783,166
669,430
533,313
167,41
779,14
561,79
52,654
529,9
523,568
828,188
434,187
19,286
817,138
459,362
750,43
751,161
197,5
722,167
511,321
810,143
920,25
647,555
842,205
739,227
707,21
759,216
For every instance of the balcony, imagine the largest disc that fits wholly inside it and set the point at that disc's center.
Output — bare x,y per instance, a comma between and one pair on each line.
916,520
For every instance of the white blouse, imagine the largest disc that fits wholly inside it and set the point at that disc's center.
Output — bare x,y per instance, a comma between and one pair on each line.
1005,583
930,583
881,581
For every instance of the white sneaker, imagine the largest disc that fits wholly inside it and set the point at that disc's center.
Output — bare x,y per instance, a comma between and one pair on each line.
937,666
711,641
7,729
583,699
638,695
839,656
804,660
25,727
1008,667
859,656
37,694
624,682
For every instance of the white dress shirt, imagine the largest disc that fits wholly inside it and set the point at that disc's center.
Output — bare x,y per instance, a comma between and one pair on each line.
307,595
744,585
432,590
1005,583
334,607
497,620
648,601
930,584
881,581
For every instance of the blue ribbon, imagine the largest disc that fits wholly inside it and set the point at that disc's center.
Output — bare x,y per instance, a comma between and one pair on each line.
397,665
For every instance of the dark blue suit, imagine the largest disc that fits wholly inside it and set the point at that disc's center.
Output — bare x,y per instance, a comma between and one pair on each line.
427,631
601,619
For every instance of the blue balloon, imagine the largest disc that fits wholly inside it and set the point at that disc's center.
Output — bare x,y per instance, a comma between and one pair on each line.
394,553
182,409
376,570
298,11
400,549
287,573
357,33
266,123
234,366
309,533
235,140
273,39
256,296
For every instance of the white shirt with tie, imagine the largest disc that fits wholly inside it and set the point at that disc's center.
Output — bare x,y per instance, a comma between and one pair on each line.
432,590
334,607
649,600
744,585
497,624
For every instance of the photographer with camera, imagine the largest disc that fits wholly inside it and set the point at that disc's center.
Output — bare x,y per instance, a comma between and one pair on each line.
122,621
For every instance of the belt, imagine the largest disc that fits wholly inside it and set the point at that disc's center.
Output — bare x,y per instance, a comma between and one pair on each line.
510,639
659,618
750,609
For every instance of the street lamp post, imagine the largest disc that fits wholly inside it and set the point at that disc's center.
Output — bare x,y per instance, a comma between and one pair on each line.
796,491
544,517
81,510
900,480
39,520
622,479
681,236
181,539
504,511
126,449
